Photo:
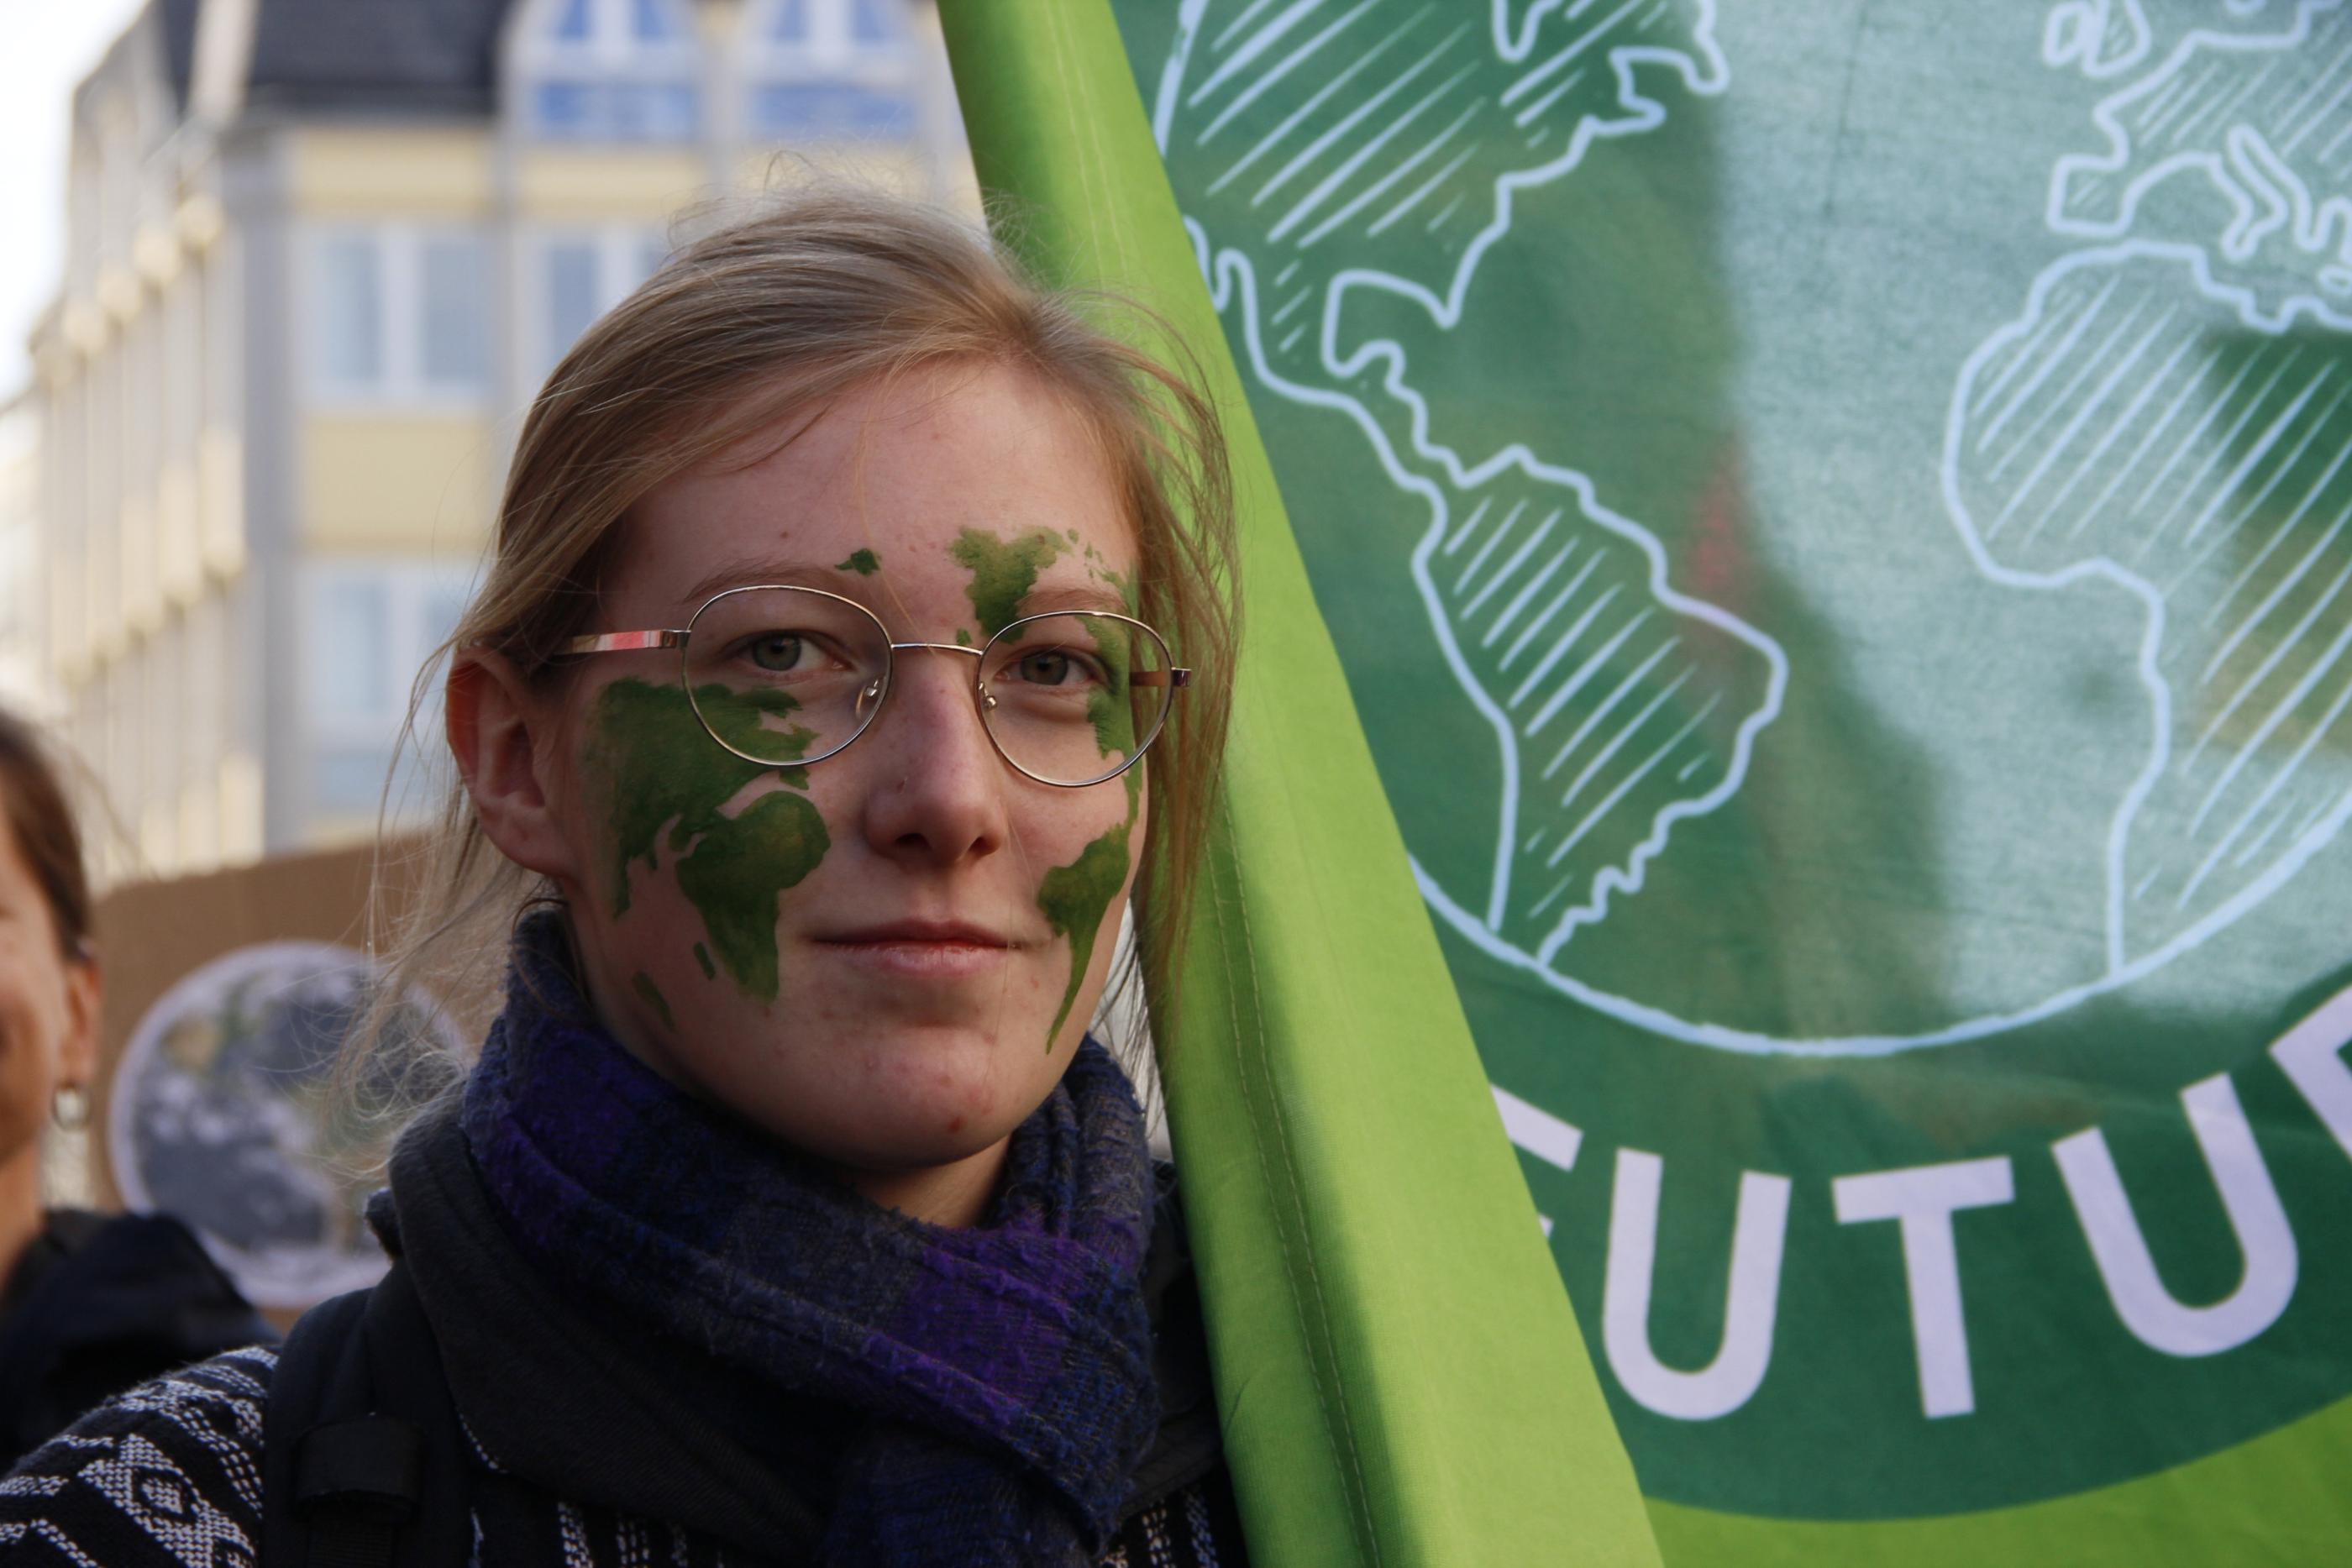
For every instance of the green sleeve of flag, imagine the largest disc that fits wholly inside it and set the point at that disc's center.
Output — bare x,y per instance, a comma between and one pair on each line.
1398,1373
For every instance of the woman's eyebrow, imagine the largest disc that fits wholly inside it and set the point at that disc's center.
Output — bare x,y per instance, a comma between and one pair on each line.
1038,601
765,573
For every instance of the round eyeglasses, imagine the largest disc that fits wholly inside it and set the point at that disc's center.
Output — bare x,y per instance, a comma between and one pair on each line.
788,676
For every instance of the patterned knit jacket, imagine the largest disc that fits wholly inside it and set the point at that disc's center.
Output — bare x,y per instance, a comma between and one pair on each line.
168,1476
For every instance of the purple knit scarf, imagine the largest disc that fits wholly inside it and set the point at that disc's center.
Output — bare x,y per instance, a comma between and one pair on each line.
1005,1371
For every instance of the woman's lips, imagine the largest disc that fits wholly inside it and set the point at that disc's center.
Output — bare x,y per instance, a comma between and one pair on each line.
921,949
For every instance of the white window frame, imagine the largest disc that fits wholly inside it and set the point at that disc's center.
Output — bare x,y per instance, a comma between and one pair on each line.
400,327
828,57
831,56
832,52
611,52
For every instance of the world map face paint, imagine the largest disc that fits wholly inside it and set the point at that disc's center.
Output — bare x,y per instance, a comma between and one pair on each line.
884,956
1075,898
665,785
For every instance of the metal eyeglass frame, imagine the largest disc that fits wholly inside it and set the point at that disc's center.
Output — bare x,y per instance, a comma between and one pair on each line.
1173,676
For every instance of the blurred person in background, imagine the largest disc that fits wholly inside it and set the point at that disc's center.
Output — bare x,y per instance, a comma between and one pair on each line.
815,718
92,1305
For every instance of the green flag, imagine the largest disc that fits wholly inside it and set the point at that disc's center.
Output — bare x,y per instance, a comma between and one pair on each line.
1838,521
1398,1374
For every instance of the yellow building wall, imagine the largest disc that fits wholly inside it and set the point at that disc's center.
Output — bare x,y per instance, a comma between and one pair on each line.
576,184
401,482
372,172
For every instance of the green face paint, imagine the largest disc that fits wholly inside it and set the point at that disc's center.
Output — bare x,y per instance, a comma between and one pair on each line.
654,998
738,871
963,638
1113,722
1075,899
865,563
665,780
1002,574
702,957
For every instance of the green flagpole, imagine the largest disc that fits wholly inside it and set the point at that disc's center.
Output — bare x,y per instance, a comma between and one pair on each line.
1399,1376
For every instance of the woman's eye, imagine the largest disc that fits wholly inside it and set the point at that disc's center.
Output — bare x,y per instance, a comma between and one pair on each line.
782,650
1049,667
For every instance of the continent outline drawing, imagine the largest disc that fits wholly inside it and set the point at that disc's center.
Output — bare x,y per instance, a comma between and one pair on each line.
1704,71
2265,193
2267,198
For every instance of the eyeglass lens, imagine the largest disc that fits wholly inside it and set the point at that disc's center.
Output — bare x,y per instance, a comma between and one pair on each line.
790,675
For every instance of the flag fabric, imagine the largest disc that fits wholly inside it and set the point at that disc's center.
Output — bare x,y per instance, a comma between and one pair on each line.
1837,520
1399,1376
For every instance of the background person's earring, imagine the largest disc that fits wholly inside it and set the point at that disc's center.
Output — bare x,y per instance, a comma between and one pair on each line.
69,1107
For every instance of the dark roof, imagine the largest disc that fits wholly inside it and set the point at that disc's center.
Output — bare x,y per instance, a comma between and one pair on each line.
172,26
177,19
405,56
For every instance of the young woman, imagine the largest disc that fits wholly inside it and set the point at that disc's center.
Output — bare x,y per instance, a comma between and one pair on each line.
88,1305
830,690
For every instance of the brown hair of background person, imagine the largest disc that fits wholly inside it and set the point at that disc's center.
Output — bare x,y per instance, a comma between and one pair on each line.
90,1305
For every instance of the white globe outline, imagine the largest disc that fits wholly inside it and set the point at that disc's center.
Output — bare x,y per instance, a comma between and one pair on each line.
1231,270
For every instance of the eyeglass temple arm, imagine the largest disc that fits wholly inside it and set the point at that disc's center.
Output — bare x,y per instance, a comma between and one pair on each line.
624,642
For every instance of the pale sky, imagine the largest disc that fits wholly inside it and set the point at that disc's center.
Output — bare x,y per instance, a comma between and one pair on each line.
46,47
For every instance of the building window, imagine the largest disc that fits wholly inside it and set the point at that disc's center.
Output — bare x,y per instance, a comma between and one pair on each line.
351,648
350,290
580,274
455,322
613,71
658,22
874,21
822,70
398,313
815,111
368,628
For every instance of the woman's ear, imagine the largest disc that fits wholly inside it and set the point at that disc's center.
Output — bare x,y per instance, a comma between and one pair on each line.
78,1052
498,733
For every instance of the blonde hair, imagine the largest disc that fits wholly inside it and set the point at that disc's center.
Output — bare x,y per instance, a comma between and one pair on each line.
772,318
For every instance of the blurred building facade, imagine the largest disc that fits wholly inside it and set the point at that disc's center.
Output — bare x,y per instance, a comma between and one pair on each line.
320,254
24,683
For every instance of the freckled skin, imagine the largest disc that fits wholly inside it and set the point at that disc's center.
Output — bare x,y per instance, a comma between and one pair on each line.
1076,899
664,781
1002,574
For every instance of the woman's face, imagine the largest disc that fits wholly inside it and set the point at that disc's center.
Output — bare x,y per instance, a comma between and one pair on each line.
886,958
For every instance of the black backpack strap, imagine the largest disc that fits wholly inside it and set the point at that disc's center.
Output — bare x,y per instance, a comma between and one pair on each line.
404,1364
363,1461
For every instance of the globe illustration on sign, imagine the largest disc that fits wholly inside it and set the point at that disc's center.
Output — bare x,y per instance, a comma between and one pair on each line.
228,1112
2142,424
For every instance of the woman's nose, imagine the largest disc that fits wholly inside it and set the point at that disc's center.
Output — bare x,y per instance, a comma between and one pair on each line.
936,792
